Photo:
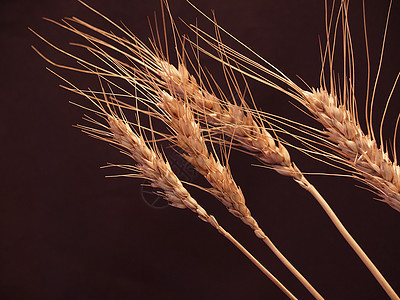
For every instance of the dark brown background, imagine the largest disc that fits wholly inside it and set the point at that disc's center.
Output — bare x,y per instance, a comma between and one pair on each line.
67,232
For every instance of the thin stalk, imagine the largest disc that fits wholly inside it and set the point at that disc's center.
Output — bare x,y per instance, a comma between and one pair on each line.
256,262
291,268
350,240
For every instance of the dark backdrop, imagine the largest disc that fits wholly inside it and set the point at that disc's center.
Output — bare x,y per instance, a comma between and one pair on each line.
67,232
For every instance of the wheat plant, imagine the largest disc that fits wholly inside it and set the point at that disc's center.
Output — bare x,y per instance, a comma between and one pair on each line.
192,104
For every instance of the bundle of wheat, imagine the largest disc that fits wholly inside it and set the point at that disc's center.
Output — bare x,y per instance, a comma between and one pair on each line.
178,97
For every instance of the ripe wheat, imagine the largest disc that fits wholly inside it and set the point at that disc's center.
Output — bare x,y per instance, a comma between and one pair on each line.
146,68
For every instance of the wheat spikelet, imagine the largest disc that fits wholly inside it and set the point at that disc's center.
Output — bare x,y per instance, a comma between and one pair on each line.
152,167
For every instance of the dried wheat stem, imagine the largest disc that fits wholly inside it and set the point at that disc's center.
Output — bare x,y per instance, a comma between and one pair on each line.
350,240
189,138
249,256
152,166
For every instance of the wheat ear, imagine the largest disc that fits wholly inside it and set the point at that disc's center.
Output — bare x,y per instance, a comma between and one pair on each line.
151,165
360,151
188,136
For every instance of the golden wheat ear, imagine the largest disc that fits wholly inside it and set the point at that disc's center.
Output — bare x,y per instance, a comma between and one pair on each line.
335,108
151,165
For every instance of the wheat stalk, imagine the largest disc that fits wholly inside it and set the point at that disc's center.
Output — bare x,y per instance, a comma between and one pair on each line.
152,166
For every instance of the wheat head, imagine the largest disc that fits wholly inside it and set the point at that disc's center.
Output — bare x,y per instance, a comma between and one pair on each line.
188,137
360,151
